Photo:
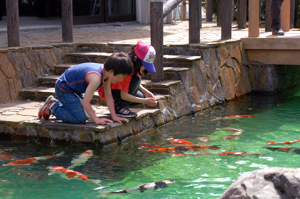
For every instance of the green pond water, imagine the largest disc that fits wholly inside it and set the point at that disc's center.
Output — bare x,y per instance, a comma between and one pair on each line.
124,165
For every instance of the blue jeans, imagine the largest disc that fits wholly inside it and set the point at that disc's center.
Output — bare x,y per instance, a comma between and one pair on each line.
275,14
69,108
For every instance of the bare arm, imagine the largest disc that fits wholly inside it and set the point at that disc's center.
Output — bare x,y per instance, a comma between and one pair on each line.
110,103
94,80
149,100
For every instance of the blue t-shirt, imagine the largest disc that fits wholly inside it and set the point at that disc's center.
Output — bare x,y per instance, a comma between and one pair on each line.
74,79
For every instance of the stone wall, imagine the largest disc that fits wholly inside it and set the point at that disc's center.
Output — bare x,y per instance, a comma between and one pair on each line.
20,67
222,74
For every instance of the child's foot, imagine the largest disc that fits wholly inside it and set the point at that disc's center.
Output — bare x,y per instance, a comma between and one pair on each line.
124,112
45,111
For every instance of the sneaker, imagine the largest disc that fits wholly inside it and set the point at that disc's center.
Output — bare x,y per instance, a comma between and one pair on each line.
278,32
124,112
45,111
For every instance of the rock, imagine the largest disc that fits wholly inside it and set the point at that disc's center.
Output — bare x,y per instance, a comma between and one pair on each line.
268,183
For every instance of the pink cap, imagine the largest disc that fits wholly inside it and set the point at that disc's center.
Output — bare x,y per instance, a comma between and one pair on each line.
147,54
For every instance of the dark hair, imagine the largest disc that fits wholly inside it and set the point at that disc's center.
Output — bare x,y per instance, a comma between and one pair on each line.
137,62
120,63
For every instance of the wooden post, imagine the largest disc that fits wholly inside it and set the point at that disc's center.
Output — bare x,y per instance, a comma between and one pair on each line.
194,21
226,19
183,10
12,15
241,13
268,20
209,10
253,29
219,17
157,31
67,20
285,15
292,13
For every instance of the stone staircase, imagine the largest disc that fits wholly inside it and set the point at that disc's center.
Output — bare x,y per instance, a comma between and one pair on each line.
168,93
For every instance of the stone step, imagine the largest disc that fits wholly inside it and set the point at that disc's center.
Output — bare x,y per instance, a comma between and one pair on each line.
41,93
19,120
100,57
50,80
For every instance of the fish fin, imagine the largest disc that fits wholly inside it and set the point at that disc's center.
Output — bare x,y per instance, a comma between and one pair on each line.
61,153
51,173
216,119
97,182
100,188
104,194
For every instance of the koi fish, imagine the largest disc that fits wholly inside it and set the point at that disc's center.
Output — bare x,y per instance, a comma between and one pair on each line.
288,142
186,154
205,139
284,149
32,160
7,157
238,153
229,137
142,187
81,159
181,149
181,142
234,117
149,145
70,174
231,130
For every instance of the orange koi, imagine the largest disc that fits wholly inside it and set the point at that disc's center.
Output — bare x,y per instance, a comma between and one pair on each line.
70,174
234,117
229,137
288,142
181,142
81,159
149,145
32,160
181,149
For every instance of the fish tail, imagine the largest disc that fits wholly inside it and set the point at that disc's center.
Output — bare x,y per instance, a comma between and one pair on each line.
214,147
97,182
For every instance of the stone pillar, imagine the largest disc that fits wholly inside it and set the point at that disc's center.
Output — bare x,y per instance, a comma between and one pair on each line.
253,29
285,15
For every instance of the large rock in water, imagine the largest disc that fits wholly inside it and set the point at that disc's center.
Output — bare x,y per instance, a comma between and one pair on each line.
268,183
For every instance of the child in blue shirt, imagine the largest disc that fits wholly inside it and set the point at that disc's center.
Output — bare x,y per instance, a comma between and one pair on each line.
85,79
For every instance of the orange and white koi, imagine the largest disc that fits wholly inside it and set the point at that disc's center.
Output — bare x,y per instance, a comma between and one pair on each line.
284,149
32,160
181,142
70,174
81,159
141,188
288,142
234,117
229,137
181,149
148,145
